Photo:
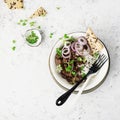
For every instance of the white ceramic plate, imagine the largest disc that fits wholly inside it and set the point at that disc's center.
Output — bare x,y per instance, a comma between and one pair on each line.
94,82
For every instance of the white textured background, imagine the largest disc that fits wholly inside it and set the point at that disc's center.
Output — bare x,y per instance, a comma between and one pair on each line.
27,90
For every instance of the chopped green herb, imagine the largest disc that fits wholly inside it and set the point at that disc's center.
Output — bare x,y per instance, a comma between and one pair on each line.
96,55
71,39
32,23
66,36
23,22
57,8
73,73
83,75
71,61
59,52
18,23
39,27
82,67
32,38
79,59
84,60
13,48
51,35
68,68
14,41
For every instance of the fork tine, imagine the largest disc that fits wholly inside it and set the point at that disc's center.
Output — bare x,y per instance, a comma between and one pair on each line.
102,63
101,60
99,63
98,60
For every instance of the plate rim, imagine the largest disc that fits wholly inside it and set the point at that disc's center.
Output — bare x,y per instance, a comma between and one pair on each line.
85,91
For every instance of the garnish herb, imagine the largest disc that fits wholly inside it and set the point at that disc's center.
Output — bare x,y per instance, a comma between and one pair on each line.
13,48
68,68
71,62
32,38
84,60
82,67
83,75
39,27
66,36
73,73
59,52
57,8
23,22
13,41
32,23
71,39
96,55
51,35
79,59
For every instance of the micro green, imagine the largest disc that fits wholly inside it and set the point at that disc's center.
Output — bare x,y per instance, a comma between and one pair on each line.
59,51
39,27
73,73
32,23
68,68
83,75
71,61
58,8
66,36
13,41
96,55
82,67
84,59
13,48
51,35
79,59
32,38
22,22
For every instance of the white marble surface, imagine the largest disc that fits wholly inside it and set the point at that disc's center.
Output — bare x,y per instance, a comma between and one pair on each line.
27,90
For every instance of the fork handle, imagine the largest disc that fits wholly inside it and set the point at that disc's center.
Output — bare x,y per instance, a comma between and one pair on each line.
61,100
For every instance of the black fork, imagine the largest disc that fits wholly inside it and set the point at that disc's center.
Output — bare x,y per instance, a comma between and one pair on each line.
95,67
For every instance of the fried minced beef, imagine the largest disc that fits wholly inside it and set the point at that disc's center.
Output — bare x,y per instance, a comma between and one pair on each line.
75,67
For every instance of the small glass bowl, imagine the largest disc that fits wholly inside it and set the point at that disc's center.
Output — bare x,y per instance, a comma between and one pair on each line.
38,33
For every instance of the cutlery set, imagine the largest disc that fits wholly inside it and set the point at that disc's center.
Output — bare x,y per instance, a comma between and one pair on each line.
96,66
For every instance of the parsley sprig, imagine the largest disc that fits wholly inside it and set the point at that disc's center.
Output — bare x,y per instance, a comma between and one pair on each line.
32,38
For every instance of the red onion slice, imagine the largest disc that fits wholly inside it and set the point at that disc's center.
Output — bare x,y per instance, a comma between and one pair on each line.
78,46
78,52
66,52
88,48
66,56
73,46
82,40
